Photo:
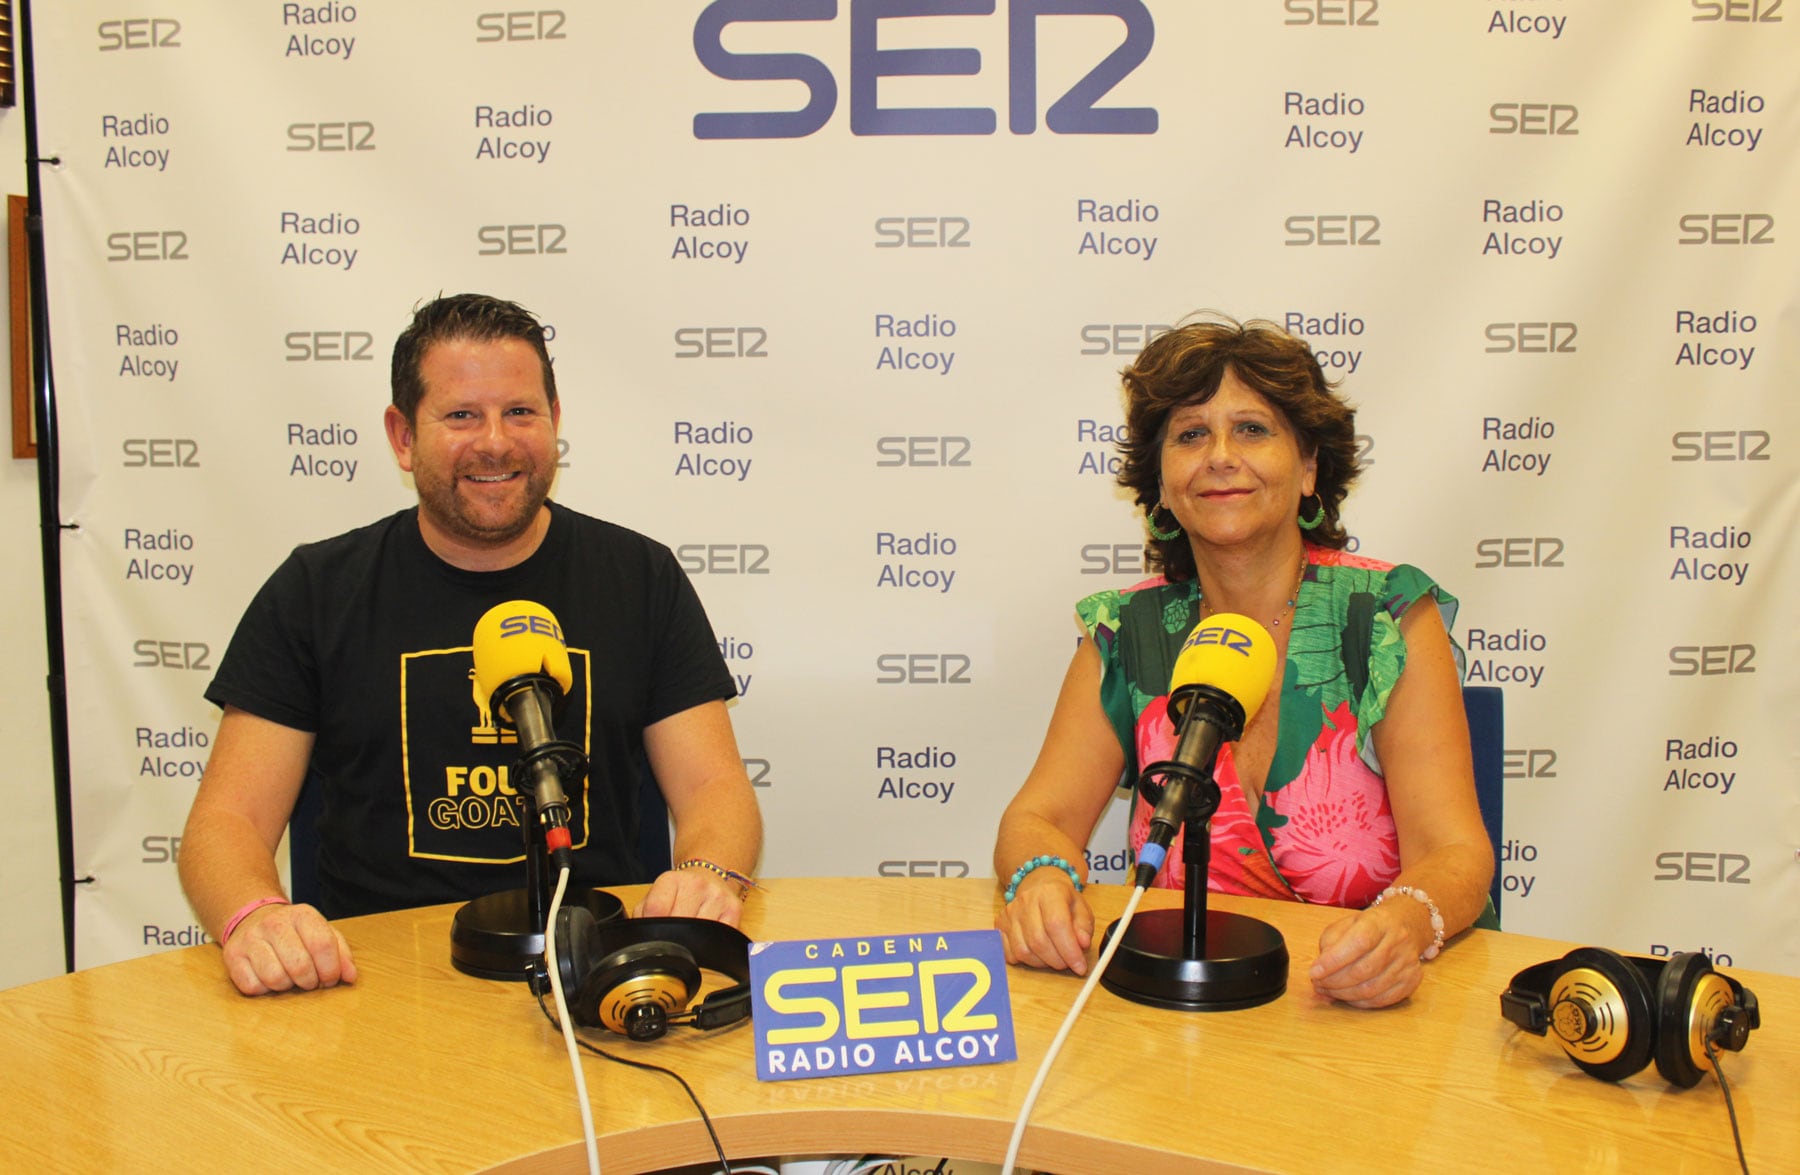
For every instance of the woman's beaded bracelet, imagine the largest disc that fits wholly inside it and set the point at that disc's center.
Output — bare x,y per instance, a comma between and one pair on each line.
745,884
1437,919
1012,887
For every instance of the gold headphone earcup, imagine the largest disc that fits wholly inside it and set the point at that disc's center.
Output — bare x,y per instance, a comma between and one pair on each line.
635,990
1601,1013
1690,996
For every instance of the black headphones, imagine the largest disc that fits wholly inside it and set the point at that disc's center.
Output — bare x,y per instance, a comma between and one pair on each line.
636,976
1614,1013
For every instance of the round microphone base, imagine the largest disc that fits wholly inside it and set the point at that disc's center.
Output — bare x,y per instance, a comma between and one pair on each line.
1245,963
493,937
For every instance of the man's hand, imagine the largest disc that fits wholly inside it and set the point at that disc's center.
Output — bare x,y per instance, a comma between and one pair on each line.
281,947
692,893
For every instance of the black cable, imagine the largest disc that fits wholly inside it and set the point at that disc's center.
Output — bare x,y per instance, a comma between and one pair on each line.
718,1148
50,523
1736,1136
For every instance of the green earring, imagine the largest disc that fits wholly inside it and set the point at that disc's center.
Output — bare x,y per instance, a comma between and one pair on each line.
1161,535
1317,518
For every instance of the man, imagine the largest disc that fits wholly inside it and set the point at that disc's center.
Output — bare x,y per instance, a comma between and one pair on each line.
351,671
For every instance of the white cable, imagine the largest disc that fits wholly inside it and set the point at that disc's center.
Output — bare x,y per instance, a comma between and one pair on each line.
1062,1034
568,1028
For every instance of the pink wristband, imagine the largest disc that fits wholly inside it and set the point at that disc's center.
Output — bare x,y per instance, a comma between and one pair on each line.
248,909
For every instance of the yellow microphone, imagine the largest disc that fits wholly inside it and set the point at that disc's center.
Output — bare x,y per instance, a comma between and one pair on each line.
1230,653
519,638
522,668
1221,677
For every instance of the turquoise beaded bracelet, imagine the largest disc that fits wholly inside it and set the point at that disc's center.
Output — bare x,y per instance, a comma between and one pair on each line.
1012,887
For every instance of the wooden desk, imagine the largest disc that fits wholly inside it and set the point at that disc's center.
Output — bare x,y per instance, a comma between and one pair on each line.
158,1062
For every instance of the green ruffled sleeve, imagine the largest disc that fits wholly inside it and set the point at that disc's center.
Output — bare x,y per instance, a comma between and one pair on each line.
1405,585
1100,616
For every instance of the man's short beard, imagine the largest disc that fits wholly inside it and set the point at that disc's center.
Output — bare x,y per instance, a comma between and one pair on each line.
440,503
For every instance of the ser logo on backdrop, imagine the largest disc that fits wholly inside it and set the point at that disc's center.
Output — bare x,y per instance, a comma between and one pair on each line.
161,453
1119,338
1743,444
169,244
723,558
1332,13
1076,112
144,32
929,452
923,868
1556,119
521,240
1113,559
721,342
1737,11
1721,868
1335,229
1712,660
350,135
1726,228
159,654
544,24
923,669
1528,763
328,346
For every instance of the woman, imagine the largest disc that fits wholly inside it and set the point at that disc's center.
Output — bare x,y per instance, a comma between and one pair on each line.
1352,786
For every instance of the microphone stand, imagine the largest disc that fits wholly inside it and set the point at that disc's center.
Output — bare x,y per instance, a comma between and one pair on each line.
501,935
1194,959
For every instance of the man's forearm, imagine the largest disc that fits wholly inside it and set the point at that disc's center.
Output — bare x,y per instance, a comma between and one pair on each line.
224,864
728,833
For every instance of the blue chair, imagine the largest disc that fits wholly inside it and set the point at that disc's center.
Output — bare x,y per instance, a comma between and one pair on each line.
1485,706
303,844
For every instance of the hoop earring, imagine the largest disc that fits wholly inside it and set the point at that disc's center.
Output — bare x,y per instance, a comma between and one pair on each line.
1317,518
1161,535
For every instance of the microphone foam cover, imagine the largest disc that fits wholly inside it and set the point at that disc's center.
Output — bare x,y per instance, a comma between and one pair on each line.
516,638
1230,652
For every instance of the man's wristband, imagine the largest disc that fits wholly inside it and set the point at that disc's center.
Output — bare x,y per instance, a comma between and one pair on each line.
248,908
745,884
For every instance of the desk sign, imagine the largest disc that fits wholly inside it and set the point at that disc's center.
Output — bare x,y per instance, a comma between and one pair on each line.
829,1006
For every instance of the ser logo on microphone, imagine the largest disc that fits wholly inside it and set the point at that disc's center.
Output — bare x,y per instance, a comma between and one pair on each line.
540,625
1230,638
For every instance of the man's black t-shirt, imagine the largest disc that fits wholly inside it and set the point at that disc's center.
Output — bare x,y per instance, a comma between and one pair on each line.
365,641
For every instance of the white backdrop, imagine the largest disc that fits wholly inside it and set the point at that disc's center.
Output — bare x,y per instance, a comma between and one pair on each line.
843,326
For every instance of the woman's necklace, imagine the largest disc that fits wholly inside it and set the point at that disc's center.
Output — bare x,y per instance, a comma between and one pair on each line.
1299,578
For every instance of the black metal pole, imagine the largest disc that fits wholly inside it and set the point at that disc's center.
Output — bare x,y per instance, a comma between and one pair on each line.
49,492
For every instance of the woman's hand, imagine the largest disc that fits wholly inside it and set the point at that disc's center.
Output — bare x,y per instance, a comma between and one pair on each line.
1370,959
1047,924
